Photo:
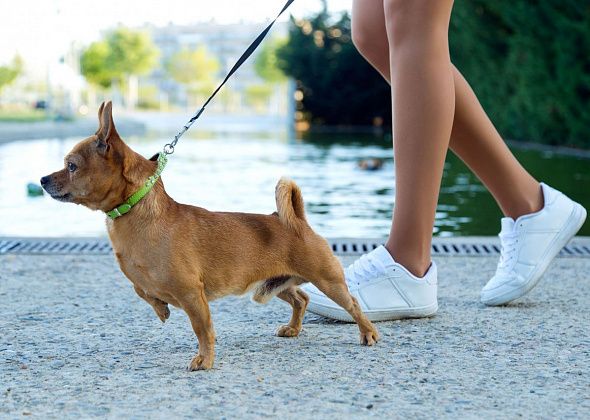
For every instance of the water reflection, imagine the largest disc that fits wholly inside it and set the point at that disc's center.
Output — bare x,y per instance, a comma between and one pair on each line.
238,173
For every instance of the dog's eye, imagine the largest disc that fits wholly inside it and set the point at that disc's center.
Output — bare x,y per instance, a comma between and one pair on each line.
72,167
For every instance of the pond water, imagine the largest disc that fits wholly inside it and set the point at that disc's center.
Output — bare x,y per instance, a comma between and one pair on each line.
232,172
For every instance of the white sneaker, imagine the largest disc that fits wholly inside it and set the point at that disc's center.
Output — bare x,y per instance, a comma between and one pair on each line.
384,289
530,243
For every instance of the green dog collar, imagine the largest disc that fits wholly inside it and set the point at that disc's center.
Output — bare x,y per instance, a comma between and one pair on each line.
136,197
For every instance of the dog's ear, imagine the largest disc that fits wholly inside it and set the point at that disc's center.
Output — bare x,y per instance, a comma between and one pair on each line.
100,117
106,130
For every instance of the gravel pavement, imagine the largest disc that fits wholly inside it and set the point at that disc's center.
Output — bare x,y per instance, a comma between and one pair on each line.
76,342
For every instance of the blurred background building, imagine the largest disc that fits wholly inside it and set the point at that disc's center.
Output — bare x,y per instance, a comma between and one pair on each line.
221,45
183,64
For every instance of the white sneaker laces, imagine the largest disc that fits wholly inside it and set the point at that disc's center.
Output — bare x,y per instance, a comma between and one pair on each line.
362,270
508,243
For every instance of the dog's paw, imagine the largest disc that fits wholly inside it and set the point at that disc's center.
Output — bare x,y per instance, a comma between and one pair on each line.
287,331
200,362
369,338
163,312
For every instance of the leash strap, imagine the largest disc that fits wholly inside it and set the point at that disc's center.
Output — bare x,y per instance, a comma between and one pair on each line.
169,148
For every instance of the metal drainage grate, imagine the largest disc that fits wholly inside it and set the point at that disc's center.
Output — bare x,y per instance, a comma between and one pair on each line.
438,248
55,246
481,246
453,247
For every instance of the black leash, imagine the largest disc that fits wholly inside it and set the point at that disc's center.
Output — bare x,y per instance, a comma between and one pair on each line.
169,147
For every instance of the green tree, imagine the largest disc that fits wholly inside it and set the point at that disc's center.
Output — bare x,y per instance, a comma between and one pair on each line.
93,64
196,69
266,63
191,67
131,52
9,73
529,63
257,96
338,86
123,53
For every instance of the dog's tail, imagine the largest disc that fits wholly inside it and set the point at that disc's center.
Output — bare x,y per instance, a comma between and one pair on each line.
290,205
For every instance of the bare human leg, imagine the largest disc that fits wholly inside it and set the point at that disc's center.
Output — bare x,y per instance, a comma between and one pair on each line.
423,96
472,137
434,108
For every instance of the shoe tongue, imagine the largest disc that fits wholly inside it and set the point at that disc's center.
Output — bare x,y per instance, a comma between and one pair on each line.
382,255
507,224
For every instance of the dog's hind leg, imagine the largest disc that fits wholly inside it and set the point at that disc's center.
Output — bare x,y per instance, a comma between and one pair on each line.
298,301
330,280
269,288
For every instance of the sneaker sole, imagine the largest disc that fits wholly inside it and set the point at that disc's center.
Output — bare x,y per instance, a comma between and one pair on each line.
572,226
375,316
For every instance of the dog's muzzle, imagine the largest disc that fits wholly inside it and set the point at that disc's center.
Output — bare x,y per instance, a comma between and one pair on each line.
48,185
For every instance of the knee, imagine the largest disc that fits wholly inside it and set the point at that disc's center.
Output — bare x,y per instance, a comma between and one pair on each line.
361,37
410,20
370,39
398,18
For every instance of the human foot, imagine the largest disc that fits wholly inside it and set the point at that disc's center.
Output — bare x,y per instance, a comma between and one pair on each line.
384,289
529,244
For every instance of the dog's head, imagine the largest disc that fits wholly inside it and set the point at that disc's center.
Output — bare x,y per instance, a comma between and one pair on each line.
94,171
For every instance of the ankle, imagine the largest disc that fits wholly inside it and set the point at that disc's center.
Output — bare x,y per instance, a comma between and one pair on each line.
416,263
528,203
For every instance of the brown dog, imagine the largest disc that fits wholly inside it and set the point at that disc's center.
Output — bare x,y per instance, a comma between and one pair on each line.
186,256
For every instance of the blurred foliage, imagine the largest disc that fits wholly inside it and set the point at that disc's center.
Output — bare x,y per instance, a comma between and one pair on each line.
257,96
196,69
9,73
528,62
123,52
132,52
193,66
200,91
266,62
93,64
339,87
22,115
148,97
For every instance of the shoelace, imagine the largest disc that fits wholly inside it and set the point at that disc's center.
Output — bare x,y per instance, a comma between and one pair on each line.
508,243
360,270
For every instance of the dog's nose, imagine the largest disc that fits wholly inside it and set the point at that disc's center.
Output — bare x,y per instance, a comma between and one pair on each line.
44,180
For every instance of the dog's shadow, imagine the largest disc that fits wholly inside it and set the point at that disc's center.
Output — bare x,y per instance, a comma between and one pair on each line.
314,319
514,305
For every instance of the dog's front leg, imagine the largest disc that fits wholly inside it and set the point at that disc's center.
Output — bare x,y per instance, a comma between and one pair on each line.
197,308
160,307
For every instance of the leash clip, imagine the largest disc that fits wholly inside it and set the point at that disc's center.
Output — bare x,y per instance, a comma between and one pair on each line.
168,149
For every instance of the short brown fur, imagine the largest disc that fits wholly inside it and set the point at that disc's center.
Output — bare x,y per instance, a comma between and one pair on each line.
187,256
